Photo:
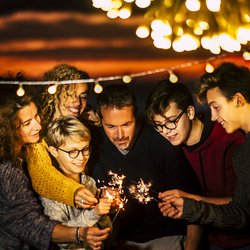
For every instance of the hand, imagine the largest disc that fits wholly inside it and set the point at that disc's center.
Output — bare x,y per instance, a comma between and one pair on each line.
172,208
94,236
173,193
104,205
84,198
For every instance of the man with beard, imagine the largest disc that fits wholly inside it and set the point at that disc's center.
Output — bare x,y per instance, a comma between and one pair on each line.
134,149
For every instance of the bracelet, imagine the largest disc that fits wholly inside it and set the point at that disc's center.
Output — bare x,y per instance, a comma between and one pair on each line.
78,241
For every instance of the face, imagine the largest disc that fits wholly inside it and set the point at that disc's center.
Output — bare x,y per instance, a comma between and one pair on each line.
183,124
72,167
30,124
75,104
119,125
222,110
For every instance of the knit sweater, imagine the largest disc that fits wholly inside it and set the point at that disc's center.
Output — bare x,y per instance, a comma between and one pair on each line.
154,160
22,222
236,214
212,160
75,217
46,180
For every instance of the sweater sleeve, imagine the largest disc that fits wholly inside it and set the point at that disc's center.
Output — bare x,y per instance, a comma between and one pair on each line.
223,216
21,215
46,180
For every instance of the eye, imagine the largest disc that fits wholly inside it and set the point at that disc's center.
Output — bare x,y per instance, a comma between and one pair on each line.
25,124
83,96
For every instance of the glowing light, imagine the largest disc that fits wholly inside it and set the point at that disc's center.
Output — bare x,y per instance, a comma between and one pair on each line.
173,23
213,5
246,55
193,5
52,89
142,31
126,79
172,77
98,88
20,92
209,68
124,13
143,3
140,191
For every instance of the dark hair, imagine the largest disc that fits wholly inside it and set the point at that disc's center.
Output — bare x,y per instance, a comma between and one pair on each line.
115,96
47,103
10,141
229,78
164,93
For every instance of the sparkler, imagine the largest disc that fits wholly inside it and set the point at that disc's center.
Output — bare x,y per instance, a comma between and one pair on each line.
140,191
115,191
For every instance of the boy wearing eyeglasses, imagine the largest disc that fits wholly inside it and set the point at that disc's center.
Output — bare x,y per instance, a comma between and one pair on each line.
69,143
170,109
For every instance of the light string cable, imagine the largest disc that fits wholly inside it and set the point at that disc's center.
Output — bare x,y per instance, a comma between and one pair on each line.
117,77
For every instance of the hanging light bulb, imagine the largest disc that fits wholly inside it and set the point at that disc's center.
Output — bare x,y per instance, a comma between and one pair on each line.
209,68
172,77
246,55
98,88
52,89
126,79
20,92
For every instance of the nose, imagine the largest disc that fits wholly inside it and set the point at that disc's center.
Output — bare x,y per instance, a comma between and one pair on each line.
165,130
37,125
214,115
120,132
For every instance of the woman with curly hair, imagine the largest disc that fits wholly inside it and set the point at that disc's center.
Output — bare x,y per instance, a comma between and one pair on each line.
69,100
22,222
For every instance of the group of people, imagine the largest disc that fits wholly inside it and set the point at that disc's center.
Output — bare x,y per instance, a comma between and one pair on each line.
56,155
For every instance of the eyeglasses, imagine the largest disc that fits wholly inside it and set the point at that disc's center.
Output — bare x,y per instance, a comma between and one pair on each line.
75,152
170,125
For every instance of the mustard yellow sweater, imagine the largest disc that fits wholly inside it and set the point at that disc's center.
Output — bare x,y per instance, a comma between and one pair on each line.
46,180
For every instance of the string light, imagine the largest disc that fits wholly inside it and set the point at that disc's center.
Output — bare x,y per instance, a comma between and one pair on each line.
52,85
98,88
246,55
190,24
52,89
209,68
20,92
172,77
126,79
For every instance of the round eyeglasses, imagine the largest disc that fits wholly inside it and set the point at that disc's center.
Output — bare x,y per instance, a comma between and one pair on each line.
170,125
75,152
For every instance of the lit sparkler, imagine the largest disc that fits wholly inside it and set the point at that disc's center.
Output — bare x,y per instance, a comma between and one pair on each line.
140,191
115,191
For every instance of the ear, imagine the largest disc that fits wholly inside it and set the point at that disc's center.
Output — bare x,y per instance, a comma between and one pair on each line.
191,112
53,151
239,100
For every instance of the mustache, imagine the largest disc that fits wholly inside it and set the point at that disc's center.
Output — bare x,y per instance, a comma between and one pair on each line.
121,139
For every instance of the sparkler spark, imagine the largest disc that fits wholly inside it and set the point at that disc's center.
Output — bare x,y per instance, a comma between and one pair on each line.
115,191
140,191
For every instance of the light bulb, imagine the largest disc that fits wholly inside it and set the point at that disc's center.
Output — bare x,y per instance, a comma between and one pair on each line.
246,55
52,89
20,92
98,88
126,79
172,77
209,68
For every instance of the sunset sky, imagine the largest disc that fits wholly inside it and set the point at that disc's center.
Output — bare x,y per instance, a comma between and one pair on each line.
37,35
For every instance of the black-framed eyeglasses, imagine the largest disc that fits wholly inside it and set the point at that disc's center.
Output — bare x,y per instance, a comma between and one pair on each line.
75,152
170,125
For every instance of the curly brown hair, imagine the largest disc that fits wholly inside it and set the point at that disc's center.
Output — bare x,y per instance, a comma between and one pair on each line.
10,142
49,102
